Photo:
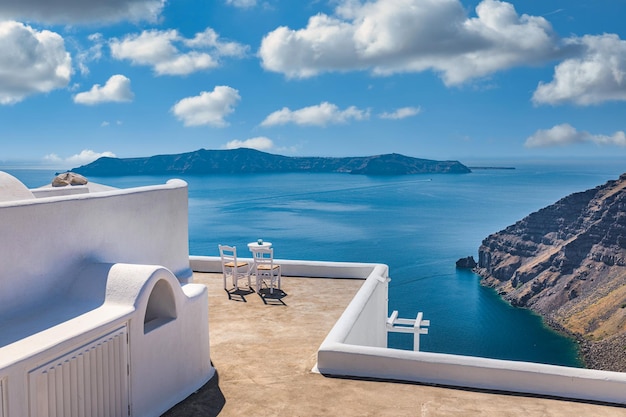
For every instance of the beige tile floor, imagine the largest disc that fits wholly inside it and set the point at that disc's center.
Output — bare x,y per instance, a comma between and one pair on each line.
264,350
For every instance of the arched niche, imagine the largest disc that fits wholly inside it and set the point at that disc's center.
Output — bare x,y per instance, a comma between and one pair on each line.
161,306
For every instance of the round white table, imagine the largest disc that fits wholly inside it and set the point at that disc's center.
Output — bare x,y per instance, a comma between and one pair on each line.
255,245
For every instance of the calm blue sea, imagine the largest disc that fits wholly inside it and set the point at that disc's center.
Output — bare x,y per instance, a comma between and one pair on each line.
419,225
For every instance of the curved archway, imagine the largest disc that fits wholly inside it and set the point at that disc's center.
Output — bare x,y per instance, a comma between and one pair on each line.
161,306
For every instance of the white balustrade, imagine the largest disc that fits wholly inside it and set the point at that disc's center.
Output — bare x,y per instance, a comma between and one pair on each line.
398,325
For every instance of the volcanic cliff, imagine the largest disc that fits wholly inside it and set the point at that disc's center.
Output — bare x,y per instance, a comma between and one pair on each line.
567,262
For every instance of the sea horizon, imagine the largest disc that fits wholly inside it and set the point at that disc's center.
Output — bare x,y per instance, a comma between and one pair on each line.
486,161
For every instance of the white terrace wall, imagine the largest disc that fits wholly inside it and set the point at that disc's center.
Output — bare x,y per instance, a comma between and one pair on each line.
354,347
43,240
293,268
60,191
136,343
93,282
363,322
348,351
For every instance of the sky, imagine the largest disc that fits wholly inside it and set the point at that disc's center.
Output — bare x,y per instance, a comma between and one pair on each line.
438,79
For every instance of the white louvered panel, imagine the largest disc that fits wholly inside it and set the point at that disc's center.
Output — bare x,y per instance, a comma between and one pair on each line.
89,381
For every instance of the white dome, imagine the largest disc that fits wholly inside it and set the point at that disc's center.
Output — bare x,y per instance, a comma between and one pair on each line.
12,189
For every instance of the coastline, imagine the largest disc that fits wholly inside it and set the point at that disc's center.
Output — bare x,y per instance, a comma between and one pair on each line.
608,354
604,355
578,339
565,262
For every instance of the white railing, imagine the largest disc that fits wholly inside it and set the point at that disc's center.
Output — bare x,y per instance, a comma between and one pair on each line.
417,326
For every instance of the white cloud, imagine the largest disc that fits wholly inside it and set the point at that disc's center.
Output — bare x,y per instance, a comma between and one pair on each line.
208,108
260,143
401,113
84,157
565,134
117,89
93,53
31,62
162,51
106,123
244,4
320,115
597,76
81,11
210,39
388,37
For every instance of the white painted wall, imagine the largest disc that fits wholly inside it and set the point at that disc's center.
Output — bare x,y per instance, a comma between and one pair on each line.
172,359
77,267
59,191
167,364
44,240
292,268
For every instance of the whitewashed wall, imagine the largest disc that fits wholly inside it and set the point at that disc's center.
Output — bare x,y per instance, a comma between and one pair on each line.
291,267
168,357
44,240
76,269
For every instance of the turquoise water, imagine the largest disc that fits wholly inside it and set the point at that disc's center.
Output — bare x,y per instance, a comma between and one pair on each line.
418,225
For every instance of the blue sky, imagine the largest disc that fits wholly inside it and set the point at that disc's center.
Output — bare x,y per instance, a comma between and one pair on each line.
439,79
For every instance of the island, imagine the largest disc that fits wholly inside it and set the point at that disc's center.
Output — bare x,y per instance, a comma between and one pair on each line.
567,262
251,161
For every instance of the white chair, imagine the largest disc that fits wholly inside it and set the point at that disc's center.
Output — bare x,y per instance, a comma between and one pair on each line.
233,268
265,268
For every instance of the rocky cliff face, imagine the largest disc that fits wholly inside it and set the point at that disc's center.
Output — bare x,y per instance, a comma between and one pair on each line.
568,263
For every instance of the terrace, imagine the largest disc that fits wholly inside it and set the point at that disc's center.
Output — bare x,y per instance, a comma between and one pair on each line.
265,354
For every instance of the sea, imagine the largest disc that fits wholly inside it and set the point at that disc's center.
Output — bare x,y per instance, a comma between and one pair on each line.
419,225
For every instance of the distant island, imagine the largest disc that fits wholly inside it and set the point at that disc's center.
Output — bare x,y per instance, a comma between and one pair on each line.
567,262
251,161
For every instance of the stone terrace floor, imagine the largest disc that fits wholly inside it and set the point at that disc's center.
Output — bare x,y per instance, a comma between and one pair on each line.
263,353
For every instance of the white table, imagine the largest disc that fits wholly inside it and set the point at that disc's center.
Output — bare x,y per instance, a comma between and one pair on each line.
255,245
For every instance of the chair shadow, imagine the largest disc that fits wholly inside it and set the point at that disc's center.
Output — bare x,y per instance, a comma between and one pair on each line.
239,294
272,298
